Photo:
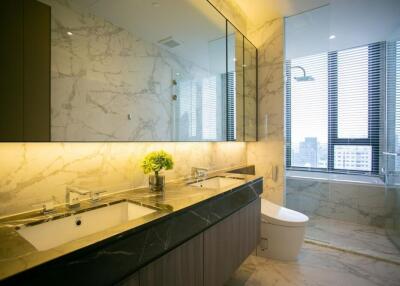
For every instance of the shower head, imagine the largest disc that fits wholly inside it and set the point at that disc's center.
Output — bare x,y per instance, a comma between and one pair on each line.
304,77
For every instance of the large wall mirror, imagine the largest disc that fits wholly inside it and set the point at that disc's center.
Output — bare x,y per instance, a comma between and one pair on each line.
139,70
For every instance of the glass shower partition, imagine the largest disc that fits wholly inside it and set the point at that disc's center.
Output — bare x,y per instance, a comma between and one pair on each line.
391,156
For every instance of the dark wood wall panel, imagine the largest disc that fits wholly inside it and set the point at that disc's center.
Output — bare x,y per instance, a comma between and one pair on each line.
11,72
36,56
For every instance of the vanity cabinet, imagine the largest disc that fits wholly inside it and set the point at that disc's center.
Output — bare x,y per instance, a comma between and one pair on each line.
208,259
25,75
230,242
182,266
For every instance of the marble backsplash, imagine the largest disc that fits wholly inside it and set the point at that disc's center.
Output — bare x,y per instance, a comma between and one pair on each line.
357,203
32,173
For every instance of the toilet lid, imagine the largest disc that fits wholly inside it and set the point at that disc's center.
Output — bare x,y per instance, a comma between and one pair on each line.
280,215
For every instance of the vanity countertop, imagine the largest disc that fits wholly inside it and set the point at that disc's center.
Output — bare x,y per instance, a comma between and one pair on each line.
18,255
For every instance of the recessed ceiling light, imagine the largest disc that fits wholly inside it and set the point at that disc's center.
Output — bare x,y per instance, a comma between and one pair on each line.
331,37
69,33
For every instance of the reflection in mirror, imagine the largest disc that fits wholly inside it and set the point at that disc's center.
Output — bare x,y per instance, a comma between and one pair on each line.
250,91
242,88
127,70
235,85
134,70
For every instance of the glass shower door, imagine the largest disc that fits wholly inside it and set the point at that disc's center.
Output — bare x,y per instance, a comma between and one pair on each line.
391,157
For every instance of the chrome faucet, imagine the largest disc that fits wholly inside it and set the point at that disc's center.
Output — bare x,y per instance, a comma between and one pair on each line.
72,196
199,173
46,207
95,195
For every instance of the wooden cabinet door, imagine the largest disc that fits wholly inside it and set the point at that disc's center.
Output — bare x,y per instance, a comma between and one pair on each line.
249,225
11,72
182,266
132,280
25,73
36,79
221,255
229,243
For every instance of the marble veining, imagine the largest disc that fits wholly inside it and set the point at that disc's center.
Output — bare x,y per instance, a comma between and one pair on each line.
231,10
32,173
317,266
183,211
268,153
356,203
101,73
364,239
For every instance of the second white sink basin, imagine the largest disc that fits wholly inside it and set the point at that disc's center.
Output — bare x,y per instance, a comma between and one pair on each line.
56,232
217,183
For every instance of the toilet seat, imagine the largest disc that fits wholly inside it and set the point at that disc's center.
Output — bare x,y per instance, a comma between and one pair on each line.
279,215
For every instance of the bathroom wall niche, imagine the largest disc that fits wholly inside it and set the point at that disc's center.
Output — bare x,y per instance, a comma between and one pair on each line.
134,70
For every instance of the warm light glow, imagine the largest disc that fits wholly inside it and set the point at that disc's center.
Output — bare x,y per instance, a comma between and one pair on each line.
69,33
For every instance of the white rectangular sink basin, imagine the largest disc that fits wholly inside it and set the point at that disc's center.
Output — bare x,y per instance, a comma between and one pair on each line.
216,183
56,232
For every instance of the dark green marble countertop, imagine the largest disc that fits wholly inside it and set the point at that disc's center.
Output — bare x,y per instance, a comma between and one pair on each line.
17,254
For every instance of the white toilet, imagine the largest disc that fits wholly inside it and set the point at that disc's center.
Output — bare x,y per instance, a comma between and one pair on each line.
282,232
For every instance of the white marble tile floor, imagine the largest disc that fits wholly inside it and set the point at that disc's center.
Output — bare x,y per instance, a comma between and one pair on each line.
315,266
363,239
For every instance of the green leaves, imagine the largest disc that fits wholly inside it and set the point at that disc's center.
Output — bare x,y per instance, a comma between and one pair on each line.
156,161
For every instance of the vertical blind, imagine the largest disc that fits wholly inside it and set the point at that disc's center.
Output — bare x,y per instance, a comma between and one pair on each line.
333,120
198,108
231,105
396,80
209,108
308,111
393,105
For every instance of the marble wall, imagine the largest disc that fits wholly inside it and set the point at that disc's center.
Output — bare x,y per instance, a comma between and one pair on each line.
231,10
268,153
356,203
101,73
33,173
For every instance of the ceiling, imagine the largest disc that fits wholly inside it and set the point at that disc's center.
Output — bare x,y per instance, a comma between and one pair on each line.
260,11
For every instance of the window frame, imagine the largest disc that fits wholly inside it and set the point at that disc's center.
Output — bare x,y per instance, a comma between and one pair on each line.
375,89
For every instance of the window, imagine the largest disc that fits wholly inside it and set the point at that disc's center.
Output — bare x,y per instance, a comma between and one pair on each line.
198,101
396,81
231,105
332,109
309,113
393,105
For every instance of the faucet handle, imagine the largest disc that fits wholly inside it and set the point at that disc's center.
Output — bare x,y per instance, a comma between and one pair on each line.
95,195
198,172
46,207
78,191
